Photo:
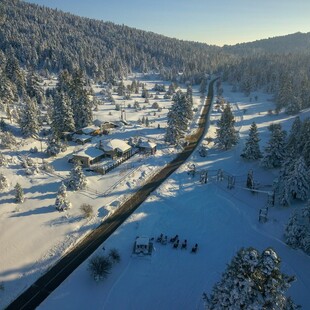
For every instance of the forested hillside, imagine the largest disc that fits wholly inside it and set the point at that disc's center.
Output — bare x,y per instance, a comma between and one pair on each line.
49,41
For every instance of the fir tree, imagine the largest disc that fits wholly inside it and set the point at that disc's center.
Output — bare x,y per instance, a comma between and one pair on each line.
54,145
19,193
252,281
176,124
81,104
293,140
297,230
77,179
226,135
275,151
34,89
63,120
251,149
62,203
298,182
28,118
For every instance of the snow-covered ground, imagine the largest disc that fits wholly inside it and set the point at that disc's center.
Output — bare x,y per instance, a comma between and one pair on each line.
34,235
219,219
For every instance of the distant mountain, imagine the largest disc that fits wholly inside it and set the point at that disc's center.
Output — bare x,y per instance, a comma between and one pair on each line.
292,43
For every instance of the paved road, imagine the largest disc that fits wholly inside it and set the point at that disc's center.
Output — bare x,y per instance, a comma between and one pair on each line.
40,290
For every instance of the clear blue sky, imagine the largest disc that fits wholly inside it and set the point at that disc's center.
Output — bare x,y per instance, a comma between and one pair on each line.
210,21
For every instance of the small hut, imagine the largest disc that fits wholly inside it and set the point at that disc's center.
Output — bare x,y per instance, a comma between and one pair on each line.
143,245
147,147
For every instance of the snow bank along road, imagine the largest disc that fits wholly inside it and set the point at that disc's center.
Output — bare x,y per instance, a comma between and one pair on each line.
36,293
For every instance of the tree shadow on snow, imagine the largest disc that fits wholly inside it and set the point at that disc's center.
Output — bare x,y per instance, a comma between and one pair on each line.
41,210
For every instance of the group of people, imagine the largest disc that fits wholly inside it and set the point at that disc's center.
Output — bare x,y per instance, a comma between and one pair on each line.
176,242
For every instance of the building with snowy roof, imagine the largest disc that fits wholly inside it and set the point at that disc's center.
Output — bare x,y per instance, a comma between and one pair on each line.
88,156
115,148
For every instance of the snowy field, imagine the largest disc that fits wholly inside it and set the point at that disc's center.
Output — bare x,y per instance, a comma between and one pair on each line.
218,219
34,235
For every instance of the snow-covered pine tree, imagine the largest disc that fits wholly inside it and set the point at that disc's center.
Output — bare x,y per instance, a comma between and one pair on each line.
183,108
294,137
251,149
281,186
252,281
8,92
304,142
226,134
81,104
189,103
176,124
63,120
3,182
285,93
275,151
77,179
297,230
298,182
29,118
33,87
62,203
54,145
19,193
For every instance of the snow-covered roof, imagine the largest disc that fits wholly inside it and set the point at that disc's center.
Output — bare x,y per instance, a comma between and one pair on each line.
147,144
91,152
142,241
82,137
115,144
89,129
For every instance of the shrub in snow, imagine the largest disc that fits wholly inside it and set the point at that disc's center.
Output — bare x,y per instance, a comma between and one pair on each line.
114,256
19,193
87,210
47,167
3,182
252,281
1,286
33,150
62,203
27,161
77,179
99,267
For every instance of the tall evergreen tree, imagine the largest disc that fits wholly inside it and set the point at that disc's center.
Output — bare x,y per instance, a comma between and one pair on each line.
298,181
293,140
226,134
62,203
81,104
175,125
252,281
34,89
63,120
77,179
275,151
251,149
28,118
